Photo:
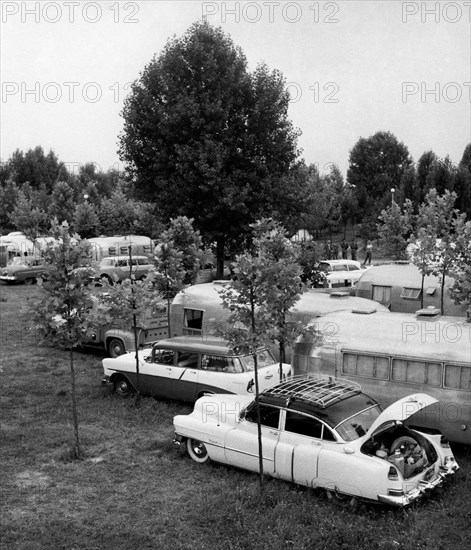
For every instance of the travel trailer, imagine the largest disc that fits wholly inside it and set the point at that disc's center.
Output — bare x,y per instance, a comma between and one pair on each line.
392,355
399,288
119,246
198,310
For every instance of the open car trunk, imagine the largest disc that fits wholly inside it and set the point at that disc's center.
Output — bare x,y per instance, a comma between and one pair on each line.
407,450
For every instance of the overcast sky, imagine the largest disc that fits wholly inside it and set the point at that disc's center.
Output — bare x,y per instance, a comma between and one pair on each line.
353,68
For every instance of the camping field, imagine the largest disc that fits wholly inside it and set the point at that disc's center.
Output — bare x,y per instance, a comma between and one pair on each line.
134,490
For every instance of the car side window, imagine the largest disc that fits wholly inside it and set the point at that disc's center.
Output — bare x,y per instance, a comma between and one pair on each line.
187,359
269,416
353,268
164,356
303,425
217,363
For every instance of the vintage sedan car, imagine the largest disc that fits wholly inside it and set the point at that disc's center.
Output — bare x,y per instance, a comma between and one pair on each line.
188,367
118,268
341,273
22,272
322,432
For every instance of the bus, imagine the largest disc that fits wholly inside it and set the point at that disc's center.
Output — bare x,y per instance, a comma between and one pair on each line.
399,287
198,310
395,354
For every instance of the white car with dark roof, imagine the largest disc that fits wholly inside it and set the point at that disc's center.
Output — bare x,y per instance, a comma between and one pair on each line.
325,433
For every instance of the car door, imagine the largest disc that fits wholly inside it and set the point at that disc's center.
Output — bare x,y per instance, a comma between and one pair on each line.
157,373
184,376
298,449
241,443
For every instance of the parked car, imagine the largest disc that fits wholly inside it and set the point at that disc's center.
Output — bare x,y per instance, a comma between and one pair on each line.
341,273
117,268
187,367
22,272
322,432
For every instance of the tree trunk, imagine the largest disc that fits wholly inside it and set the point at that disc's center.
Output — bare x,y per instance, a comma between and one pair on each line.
442,292
136,347
259,424
220,254
282,358
422,292
134,326
74,406
257,400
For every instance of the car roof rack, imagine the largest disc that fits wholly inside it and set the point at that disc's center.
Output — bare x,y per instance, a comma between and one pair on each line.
318,390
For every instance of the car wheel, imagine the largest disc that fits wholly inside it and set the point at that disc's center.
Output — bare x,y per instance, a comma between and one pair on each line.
29,281
122,386
197,451
116,348
410,444
106,279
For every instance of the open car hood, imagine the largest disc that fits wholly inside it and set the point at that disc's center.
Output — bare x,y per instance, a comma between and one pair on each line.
403,409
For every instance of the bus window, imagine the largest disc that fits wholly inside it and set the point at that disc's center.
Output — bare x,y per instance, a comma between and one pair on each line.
192,321
382,294
458,377
369,366
417,372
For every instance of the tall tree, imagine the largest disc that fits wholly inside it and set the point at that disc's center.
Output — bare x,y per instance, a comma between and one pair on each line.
206,139
86,221
377,164
27,218
62,205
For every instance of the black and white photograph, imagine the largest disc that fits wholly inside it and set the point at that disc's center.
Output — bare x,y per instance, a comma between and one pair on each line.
235,274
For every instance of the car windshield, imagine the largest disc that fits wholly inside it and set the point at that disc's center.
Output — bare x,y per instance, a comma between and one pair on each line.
264,358
356,426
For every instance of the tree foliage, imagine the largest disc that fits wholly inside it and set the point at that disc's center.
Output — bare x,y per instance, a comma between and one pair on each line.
376,165
437,223
395,228
205,138
61,311
461,269
125,303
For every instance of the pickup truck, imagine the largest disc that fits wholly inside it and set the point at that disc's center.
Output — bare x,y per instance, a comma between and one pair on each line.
118,339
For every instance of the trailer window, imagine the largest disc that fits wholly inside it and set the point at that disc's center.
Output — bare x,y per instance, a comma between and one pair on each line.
369,366
411,293
382,294
458,377
192,321
417,372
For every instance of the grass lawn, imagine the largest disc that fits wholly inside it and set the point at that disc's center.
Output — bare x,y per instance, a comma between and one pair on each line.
133,489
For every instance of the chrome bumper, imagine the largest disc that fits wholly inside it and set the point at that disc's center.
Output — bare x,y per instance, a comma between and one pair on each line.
424,488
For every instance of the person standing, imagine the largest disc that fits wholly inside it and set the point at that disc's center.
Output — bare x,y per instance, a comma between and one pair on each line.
369,253
353,249
344,247
327,251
